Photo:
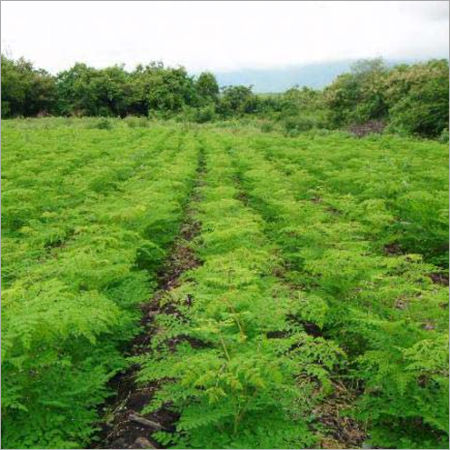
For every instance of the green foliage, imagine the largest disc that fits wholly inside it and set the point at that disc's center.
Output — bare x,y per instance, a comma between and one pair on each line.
358,96
170,90
409,99
444,136
413,99
207,87
294,126
237,100
111,92
321,257
242,385
77,261
417,378
137,122
267,127
104,124
418,98
333,216
201,114
83,90
26,91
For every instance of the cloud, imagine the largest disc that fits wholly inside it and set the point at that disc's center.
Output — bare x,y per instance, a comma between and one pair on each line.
434,11
221,35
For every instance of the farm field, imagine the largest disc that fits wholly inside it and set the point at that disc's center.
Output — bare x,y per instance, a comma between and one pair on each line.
234,288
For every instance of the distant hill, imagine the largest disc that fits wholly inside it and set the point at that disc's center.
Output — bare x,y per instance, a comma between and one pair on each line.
316,75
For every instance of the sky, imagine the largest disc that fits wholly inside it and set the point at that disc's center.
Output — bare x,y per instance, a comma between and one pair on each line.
221,36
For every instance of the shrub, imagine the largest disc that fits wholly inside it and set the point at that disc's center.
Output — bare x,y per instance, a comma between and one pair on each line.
267,127
205,114
294,126
136,122
104,124
418,98
444,136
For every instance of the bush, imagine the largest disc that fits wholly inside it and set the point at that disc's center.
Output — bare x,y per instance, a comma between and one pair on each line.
205,114
136,122
26,91
358,96
418,98
237,100
296,125
267,127
413,99
104,124
444,136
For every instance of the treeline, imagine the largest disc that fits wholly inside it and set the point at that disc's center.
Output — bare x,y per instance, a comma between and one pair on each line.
115,92
408,99
412,99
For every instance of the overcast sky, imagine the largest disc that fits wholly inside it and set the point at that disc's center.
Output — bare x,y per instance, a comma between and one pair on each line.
221,36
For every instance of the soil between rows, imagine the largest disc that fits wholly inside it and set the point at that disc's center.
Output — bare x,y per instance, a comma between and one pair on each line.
123,424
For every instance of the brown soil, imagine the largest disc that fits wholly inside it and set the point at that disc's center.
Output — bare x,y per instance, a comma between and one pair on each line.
370,127
124,426
439,278
340,431
393,249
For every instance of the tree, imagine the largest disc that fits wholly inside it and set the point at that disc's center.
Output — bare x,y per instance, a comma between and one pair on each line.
26,91
207,88
237,100
76,92
84,90
358,96
418,98
113,89
170,89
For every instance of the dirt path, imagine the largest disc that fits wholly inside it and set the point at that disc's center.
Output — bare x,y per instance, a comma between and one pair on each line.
123,426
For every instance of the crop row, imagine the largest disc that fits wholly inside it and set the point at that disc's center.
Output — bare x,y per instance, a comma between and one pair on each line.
383,309
66,317
322,259
395,187
49,193
230,355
